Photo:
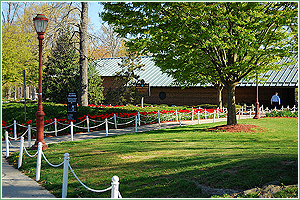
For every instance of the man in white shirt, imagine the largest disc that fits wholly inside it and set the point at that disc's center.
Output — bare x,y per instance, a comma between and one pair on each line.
275,100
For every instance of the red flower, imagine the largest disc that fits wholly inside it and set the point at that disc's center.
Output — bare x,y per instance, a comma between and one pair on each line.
4,123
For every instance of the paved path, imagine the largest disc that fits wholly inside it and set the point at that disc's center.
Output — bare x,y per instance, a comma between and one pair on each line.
17,185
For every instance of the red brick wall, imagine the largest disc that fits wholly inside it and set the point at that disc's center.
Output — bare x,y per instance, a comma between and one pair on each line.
199,95
178,96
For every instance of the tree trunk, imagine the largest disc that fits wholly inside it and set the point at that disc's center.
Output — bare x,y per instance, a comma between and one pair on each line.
83,88
219,87
231,115
8,94
19,94
33,93
15,93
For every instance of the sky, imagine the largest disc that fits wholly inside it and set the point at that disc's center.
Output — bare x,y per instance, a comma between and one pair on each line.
94,9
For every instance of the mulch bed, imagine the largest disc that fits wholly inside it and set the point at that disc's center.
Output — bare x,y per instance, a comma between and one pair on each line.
237,128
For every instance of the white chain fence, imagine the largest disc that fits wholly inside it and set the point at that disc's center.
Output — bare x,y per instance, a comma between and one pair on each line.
115,193
138,118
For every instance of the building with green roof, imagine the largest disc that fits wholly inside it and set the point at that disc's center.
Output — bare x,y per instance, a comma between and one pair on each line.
165,90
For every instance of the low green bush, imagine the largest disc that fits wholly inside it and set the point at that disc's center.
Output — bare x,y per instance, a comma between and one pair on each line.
282,113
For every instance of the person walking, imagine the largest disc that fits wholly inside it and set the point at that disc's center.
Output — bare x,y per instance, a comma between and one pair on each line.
275,100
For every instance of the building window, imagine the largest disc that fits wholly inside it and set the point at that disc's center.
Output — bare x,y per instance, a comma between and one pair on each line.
162,95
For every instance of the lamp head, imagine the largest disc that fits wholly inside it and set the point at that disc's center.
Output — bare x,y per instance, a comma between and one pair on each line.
40,23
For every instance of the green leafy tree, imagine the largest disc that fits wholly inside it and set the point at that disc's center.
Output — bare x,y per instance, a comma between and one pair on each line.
61,72
123,90
17,56
209,41
95,88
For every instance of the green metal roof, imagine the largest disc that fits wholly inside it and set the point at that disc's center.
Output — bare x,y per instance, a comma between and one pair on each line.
286,77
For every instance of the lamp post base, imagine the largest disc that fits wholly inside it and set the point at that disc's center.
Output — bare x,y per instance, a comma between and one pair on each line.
256,116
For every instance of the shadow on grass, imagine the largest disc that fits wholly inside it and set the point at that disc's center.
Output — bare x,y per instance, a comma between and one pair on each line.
240,175
178,183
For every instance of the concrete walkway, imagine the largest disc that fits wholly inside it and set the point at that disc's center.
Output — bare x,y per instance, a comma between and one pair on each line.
17,185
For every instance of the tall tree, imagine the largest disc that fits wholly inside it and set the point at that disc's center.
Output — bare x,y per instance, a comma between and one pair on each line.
16,55
61,69
228,41
83,88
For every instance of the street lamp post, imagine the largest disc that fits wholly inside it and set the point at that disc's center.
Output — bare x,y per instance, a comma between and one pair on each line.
40,24
256,116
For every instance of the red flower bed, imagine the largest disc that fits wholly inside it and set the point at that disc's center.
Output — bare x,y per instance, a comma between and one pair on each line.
109,115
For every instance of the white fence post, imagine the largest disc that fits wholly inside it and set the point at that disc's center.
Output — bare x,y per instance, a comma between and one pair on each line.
259,111
72,131
55,126
115,187
179,118
205,113
15,130
7,144
38,162
176,116
158,115
88,123
21,152
115,119
139,118
29,135
192,114
106,127
242,110
218,113
65,176
294,108
135,126
251,113
240,113
198,117
214,116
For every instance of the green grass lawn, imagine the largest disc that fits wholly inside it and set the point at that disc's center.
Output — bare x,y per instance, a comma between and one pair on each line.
169,163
